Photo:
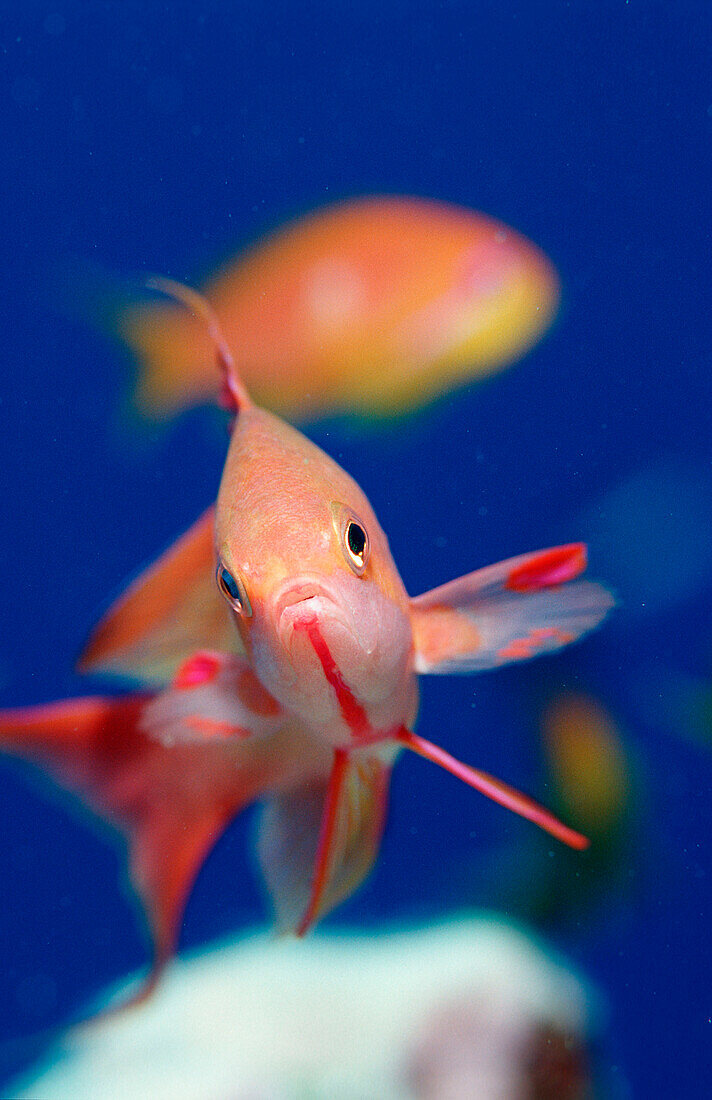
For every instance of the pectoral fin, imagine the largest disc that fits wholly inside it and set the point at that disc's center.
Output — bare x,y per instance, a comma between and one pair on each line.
213,697
512,611
170,610
316,844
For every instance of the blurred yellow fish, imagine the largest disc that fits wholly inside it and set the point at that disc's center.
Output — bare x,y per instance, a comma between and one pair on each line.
594,780
588,762
371,306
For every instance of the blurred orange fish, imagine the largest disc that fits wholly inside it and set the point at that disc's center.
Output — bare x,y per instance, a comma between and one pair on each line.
292,679
370,306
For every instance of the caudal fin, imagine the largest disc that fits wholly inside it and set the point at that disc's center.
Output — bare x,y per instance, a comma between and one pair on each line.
176,358
232,394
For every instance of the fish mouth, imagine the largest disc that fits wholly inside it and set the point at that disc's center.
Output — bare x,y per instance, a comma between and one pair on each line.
308,598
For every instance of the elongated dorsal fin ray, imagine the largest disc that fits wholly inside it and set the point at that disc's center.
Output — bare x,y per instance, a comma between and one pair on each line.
234,396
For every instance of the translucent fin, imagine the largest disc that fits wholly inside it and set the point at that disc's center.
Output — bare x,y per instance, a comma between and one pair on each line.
317,844
512,611
170,797
172,609
214,696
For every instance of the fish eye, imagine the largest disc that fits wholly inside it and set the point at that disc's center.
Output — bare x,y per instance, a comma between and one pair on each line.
356,543
353,537
233,591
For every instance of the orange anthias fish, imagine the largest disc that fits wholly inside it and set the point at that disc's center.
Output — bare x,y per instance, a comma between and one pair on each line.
369,306
292,680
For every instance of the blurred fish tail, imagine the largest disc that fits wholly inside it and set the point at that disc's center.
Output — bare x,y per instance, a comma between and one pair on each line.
175,355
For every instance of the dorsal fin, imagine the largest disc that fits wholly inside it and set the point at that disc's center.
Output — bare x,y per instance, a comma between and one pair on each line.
172,609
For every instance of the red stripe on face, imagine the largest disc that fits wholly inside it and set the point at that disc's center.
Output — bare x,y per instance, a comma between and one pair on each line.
352,712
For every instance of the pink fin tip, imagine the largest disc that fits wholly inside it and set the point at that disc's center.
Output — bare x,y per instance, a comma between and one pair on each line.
549,568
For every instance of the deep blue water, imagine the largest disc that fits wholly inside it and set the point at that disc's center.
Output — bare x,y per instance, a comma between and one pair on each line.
160,137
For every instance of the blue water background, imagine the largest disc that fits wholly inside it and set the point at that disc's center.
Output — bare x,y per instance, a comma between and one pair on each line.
162,137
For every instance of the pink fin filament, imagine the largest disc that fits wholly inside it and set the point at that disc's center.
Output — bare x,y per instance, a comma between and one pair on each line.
326,841
493,788
233,395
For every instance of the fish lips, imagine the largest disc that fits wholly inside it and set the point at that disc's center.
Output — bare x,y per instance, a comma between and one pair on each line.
314,603
332,604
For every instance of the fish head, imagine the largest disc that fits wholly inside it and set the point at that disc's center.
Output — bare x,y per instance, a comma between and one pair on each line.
319,604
